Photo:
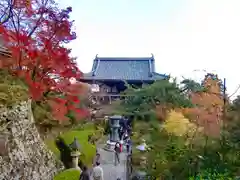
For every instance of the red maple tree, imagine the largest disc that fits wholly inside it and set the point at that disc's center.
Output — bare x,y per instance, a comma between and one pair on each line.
35,38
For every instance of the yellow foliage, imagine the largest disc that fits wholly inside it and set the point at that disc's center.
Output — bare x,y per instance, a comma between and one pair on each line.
178,125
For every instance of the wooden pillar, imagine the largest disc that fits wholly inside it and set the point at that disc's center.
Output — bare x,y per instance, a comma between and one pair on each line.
110,99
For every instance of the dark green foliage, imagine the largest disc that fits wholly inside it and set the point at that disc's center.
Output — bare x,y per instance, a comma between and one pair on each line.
142,102
191,86
65,152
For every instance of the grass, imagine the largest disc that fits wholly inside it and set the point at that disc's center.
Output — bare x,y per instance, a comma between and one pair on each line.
70,174
88,150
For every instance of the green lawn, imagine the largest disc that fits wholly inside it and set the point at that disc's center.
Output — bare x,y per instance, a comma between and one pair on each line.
88,150
69,174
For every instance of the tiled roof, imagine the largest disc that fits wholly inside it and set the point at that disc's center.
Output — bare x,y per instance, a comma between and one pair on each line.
111,68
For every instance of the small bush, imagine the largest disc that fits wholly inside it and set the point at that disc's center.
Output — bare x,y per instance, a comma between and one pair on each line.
65,152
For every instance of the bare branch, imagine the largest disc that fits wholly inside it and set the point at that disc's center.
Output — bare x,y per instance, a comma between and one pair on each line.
6,8
38,21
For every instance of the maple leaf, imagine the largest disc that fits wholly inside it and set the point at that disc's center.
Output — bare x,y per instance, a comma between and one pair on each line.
39,56
36,90
59,109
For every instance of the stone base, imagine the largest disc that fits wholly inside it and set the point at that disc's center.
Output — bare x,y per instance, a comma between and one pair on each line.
110,146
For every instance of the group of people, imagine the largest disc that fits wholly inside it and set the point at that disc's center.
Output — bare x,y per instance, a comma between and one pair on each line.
125,140
97,171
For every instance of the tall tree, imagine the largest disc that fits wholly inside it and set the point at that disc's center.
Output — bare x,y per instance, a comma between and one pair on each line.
35,34
155,98
191,86
209,105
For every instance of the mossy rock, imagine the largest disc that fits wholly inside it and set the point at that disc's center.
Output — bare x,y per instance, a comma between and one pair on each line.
70,174
12,93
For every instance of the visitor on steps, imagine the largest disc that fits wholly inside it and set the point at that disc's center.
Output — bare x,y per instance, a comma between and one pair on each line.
129,145
97,158
97,172
121,132
121,145
125,137
85,174
117,150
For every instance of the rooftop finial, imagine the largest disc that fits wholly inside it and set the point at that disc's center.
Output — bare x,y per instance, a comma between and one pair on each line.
152,55
96,56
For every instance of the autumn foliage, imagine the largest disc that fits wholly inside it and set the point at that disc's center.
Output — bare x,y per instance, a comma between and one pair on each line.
209,106
176,123
35,38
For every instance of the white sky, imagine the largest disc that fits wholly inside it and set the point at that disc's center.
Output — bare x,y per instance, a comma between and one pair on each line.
197,34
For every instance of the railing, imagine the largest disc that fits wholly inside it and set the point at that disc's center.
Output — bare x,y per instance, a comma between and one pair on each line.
105,98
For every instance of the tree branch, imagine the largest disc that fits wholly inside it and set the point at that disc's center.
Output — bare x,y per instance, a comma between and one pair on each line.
38,21
5,13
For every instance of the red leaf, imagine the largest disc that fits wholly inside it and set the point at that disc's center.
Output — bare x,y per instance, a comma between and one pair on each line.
59,109
36,90
39,55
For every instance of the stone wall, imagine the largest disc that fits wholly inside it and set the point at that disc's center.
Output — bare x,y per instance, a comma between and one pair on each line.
23,154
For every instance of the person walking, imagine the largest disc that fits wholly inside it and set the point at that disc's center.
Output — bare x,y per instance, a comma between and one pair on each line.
85,174
117,150
125,136
129,145
121,132
97,158
97,172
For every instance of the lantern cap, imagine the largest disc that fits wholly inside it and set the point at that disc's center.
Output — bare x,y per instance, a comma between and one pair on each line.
75,144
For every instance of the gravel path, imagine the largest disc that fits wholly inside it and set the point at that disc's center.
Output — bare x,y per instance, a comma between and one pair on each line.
112,172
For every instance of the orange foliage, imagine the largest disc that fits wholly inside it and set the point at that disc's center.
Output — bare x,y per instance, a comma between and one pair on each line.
209,108
161,112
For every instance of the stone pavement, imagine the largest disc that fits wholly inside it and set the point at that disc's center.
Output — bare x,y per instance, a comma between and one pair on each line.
112,172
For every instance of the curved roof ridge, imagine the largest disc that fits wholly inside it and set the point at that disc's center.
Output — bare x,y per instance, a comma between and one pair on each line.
124,58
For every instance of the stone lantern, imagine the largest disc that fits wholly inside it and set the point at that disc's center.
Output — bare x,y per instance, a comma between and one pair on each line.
75,147
114,127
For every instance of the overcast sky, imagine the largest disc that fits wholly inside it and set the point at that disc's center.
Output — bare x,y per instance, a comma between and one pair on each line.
183,35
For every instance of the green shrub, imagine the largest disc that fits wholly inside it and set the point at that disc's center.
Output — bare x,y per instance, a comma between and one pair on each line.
70,174
65,152
211,175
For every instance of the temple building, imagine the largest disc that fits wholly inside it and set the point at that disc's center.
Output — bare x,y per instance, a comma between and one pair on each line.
109,74
3,50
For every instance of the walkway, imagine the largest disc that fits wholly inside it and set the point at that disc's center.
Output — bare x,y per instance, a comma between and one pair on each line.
112,172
